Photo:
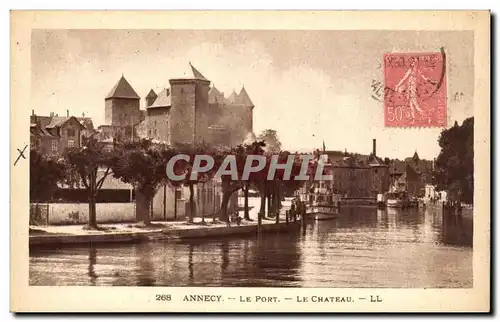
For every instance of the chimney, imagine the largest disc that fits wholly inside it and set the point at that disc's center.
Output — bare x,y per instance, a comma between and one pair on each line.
83,114
168,91
67,113
33,112
51,114
374,147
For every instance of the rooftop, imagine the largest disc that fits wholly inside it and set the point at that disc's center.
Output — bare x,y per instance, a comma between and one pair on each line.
122,89
163,99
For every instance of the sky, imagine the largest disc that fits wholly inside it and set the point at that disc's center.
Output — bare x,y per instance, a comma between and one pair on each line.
311,86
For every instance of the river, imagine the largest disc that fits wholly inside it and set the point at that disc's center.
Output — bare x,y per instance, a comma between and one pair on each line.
364,247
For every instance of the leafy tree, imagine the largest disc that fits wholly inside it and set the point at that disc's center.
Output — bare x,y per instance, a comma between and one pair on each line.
271,139
143,164
230,186
191,150
45,173
454,167
271,189
85,163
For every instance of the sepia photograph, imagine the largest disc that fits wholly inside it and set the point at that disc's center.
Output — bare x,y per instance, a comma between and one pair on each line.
201,159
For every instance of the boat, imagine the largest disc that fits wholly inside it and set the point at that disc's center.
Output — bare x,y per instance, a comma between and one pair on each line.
397,199
323,204
381,200
321,201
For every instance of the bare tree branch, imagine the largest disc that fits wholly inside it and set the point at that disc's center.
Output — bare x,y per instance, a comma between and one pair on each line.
101,181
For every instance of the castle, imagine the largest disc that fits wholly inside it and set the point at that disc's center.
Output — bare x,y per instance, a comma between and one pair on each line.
189,111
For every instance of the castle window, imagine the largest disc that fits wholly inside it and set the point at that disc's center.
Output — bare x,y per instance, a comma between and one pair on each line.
71,143
149,132
70,132
55,145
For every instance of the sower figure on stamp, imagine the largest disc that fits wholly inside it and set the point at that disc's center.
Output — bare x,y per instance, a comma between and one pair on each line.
411,76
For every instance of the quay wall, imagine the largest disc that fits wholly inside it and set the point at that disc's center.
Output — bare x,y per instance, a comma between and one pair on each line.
165,234
358,201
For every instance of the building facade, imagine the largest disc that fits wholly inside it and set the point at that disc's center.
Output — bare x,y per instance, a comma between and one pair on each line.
52,135
411,175
357,176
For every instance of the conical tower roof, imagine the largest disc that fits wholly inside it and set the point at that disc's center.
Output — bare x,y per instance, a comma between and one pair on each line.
232,99
244,99
196,73
415,156
215,96
191,73
122,89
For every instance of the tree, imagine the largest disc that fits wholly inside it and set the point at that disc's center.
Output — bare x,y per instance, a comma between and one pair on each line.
454,166
229,185
143,164
271,139
85,163
192,150
45,173
271,188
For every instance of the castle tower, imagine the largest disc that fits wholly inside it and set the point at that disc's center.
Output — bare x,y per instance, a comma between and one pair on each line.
189,101
150,98
122,105
244,100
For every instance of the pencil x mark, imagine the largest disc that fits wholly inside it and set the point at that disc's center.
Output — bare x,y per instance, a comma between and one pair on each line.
21,154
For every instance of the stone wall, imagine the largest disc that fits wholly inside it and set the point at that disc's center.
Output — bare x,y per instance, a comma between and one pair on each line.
78,213
158,123
122,111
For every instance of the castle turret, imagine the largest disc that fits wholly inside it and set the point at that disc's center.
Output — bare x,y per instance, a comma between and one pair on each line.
232,98
215,96
122,105
244,99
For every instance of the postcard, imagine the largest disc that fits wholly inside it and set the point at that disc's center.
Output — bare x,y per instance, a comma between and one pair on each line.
250,161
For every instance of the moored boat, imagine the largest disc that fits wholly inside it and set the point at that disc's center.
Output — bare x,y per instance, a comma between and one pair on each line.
397,200
381,200
323,205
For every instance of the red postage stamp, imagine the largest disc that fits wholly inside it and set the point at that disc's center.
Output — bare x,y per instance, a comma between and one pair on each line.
415,89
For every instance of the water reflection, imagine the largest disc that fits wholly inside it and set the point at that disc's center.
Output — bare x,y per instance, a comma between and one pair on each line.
457,230
92,263
363,247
